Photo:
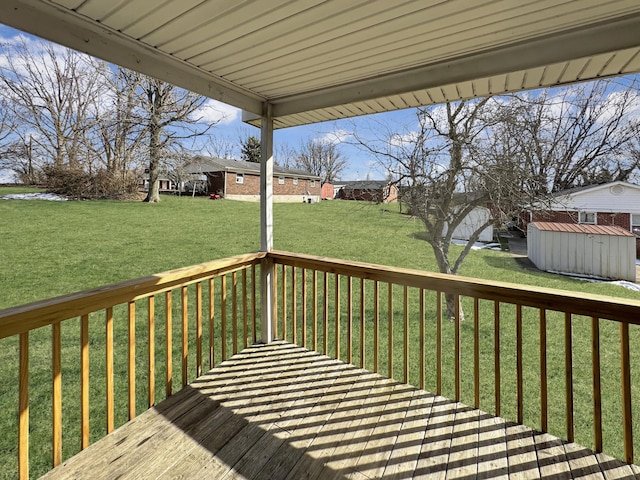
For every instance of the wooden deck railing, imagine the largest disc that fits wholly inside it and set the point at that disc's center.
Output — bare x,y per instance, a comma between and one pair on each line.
527,353
224,293
532,354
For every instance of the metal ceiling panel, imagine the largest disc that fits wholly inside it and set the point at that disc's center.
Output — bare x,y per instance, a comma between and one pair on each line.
339,58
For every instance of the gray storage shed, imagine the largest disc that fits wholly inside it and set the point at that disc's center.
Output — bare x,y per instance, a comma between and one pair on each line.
594,250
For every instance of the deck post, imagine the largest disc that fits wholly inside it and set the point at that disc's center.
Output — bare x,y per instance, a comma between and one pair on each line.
266,223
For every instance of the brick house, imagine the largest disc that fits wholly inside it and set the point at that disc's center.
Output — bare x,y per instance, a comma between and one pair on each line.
239,180
613,204
379,191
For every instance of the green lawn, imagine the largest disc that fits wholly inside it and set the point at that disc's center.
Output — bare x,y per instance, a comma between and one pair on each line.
53,248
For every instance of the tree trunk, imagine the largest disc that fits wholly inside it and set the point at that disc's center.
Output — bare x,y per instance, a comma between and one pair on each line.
444,267
155,129
153,195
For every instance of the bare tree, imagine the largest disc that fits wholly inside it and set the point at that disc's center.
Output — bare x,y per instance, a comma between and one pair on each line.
444,175
51,91
573,136
321,158
119,132
170,116
219,147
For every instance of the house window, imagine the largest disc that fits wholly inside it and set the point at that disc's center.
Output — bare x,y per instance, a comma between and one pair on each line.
587,217
281,180
635,224
239,177
295,181
313,183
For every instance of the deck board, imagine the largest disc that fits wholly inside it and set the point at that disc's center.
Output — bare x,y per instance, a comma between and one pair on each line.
283,412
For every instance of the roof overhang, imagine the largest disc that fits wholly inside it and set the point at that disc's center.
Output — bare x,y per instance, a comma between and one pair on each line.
314,60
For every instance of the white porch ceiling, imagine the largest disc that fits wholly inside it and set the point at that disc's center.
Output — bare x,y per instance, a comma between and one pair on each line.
317,60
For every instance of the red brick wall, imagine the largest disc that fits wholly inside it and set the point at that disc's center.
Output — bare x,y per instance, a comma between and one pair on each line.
251,186
618,219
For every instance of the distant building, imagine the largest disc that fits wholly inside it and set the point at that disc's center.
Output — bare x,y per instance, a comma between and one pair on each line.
607,204
379,191
240,180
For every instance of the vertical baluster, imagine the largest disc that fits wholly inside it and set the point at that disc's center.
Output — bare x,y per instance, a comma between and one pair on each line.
131,360
304,307
568,365
376,323
476,352
405,309
212,350
185,336
439,343
253,304
23,408
234,312
245,319
519,387
109,368
627,418
198,329
284,302
496,354
337,314
314,326
390,329
349,319
151,351
275,302
325,317
595,371
294,326
56,350
168,344
223,317
84,381
362,323
544,408
456,314
422,340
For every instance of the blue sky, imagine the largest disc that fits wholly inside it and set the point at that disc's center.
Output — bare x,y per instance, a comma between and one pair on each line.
230,129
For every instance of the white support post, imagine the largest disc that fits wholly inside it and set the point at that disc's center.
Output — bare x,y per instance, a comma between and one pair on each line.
266,223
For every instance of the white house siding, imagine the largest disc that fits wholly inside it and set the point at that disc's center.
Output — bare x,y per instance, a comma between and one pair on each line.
471,223
611,197
579,249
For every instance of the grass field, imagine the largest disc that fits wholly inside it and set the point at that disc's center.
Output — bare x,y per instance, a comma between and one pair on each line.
52,248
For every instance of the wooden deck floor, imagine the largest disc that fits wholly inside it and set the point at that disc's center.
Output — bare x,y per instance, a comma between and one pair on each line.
282,412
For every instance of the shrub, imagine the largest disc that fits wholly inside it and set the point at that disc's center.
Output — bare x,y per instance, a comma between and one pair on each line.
80,184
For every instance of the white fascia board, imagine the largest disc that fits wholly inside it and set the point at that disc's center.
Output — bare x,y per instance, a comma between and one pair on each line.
68,28
616,34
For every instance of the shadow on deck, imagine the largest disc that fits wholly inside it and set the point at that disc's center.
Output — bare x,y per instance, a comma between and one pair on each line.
281,411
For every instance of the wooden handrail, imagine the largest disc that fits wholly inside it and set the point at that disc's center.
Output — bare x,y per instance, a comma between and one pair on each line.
328,304
508,303
619,309
23,318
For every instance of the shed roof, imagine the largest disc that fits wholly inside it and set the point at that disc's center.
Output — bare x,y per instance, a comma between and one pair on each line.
582,228
316,60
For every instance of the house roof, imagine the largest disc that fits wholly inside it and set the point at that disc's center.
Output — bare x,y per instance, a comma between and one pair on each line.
582,228
318,60
203,164
588,188
365,185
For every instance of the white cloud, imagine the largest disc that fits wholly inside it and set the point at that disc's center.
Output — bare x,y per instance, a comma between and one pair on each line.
213,111
335,136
